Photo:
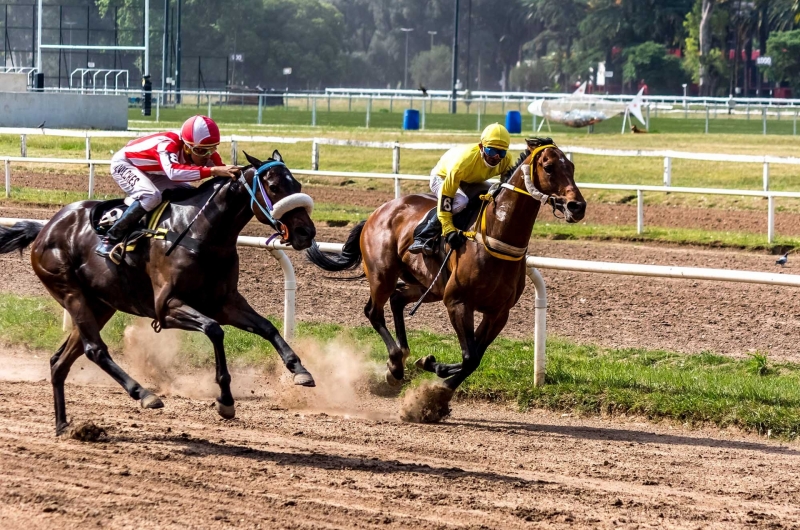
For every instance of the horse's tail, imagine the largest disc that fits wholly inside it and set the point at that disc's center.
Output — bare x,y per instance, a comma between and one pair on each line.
350,257
18,236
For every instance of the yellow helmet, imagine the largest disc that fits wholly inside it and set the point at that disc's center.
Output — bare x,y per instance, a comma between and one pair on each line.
495,135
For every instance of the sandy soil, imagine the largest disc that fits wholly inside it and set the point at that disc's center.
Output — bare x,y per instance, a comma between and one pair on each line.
282,464
337,456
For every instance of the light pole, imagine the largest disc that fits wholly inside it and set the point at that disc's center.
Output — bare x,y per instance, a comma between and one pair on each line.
432,33
405,78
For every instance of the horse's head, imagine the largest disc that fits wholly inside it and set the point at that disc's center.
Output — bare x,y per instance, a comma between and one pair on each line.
276,200
553,174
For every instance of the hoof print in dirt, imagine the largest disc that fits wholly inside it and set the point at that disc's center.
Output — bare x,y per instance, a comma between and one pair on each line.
86,432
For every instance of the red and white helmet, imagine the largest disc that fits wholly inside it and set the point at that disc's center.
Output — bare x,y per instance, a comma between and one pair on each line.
200,130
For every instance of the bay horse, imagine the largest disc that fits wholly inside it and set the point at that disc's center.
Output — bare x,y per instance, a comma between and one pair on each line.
194,288
486,275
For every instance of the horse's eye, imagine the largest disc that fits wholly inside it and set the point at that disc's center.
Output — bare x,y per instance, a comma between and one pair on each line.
549,167
273,188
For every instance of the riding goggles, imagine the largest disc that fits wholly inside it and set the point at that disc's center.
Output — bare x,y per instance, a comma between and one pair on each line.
492,152
202,150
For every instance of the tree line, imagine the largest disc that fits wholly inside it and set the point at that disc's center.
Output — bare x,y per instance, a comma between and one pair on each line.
716,47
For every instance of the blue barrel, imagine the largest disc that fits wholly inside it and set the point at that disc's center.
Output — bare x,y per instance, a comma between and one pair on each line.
411,120
514,122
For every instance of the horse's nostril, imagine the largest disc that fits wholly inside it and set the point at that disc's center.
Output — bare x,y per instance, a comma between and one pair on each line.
576,207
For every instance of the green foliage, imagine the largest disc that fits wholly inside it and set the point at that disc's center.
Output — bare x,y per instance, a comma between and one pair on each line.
717,67
784,48
533,76
650,62
427,69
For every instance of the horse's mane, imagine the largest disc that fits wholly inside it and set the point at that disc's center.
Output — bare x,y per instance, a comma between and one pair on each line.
532,142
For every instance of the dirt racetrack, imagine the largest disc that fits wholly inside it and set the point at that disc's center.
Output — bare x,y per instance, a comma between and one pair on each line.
303,458
283,466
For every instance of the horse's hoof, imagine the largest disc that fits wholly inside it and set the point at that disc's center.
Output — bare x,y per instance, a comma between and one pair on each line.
425,363
304,379
152,401
62,428
226,411
392,380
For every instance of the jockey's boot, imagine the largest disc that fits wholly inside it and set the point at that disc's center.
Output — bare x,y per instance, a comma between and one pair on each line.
426,237
120,229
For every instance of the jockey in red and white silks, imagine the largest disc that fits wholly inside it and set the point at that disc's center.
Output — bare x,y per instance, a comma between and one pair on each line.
149,165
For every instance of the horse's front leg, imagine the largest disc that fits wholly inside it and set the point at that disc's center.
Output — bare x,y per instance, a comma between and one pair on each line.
462,318
238,313
177,314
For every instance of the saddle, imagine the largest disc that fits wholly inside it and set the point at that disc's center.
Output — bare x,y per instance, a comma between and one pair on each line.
464,219
104,214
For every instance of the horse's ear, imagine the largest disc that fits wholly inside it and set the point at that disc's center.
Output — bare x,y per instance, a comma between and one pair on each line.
255,162
277,156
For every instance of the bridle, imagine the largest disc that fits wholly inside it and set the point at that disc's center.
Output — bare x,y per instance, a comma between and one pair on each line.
274,212
494,246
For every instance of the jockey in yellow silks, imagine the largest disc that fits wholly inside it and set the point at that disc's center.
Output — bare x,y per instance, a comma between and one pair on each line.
468,164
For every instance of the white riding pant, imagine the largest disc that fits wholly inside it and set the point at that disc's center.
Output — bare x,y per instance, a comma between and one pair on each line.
461,199
139,186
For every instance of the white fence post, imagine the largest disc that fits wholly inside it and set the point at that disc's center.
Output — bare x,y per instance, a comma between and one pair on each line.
158,108
706,118
8,178
770,219
234,152
396,168
88,148
764,120
639,212
260,108
647,119
667,171
539,326
369,107
209,105
422,117
568,155
315,155
794,124
91,181
765,176
23,145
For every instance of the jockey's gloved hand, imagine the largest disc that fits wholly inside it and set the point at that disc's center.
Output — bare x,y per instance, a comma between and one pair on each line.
455,239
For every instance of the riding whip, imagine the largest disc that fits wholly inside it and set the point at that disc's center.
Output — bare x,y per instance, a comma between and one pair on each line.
419,302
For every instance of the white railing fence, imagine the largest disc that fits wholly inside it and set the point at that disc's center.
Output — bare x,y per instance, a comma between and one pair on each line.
639,189
532,262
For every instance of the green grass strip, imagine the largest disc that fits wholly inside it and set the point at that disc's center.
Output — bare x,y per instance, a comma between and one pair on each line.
753,394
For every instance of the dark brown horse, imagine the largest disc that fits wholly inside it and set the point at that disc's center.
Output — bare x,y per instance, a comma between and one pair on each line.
194,288
486,275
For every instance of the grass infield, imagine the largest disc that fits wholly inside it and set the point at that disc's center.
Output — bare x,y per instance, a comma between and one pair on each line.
753,394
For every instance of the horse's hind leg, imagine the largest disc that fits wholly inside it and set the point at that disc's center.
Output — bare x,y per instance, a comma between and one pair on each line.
403,295
60,363
380,292
89,321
